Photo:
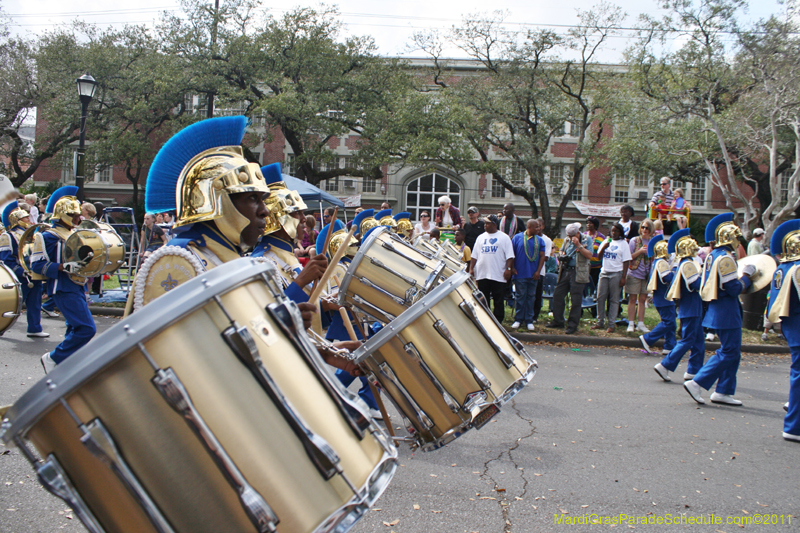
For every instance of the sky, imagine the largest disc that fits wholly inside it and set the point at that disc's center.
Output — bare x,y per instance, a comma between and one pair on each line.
390,23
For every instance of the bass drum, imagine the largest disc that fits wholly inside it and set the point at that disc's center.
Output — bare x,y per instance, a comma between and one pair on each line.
10,298
387,276
210,412
97,241
446,363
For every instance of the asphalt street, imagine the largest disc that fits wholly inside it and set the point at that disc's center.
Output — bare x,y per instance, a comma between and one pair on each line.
596,437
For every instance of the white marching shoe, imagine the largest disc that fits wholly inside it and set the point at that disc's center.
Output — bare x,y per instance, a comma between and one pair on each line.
662,372
47,363
687,376
694,391
515,325
644,344
726,399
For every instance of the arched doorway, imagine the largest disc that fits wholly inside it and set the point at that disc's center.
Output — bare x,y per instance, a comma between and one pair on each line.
422,194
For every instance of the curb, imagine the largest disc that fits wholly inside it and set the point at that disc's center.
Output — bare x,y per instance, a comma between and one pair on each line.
634,343
107,311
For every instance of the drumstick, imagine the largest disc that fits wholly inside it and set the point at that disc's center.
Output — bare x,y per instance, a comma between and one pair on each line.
348,324
314,298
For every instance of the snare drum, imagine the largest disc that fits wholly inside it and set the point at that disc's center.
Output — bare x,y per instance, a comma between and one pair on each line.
210,412
387,276
446,363
10,298
100,240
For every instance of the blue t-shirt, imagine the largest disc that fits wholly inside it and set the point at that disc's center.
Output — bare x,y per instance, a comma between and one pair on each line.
523,248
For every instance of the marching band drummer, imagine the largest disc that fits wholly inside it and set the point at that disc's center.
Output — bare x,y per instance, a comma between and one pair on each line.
337,330
202,175
685,288
17,221
47,259
285,212
404,227
784,305
385,218
721,287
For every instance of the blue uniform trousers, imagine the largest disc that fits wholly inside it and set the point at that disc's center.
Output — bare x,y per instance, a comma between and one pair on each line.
724,364
691,339
791,423
365,392
80,324
665,328
32,296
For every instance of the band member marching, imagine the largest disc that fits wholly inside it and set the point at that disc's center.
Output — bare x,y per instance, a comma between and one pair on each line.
784,306
63,282
404,227
685,288
16,220
660,280
721,287
218,197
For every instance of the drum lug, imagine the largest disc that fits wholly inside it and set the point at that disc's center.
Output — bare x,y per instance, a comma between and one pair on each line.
99,442
361,302
289,320
52,477
380,264
434,276
368,283
10,314
176,395
448,399
389,246
441,328
504,356
388,374
9,285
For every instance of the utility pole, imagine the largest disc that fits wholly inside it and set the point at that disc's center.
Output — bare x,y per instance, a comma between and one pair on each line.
210,95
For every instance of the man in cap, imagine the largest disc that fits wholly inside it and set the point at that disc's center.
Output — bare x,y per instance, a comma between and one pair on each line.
473,228
573,275
16,221
721,287
492,264
64,283
756,245
784,306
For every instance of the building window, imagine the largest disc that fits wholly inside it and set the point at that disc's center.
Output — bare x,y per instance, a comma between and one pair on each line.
422,194
785,187
498,191
699,192
557,175
369,184
103,175
288,164
621,186
641,179
68,165
332,184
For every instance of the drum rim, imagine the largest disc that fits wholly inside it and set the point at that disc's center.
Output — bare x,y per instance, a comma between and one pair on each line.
356,261
91,359
106,253
422,306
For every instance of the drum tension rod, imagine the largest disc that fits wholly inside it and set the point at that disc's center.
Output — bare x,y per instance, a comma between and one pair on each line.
442,329
448,399
242,344
389,246
289,320
167,382
53,478
389,375
481,299
505,357
100,443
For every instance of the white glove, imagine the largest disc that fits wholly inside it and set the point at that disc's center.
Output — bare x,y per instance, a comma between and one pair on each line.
73,266
749,270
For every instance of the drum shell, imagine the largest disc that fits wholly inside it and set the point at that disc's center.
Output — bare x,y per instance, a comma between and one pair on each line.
10,298
167,456
401,294
106,245
446,365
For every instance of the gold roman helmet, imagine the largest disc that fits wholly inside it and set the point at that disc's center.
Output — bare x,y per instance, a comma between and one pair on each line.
367,224
686,247
66,208
282,203
728,233
19,217
206,183
384,218
405,227
660,249
336,242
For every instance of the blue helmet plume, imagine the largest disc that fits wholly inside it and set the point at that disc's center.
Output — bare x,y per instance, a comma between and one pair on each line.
673,240
713,224
651,247
160,192
7,210
776,241
66,190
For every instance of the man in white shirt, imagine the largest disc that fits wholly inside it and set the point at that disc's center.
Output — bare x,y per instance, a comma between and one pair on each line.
548,251
492,264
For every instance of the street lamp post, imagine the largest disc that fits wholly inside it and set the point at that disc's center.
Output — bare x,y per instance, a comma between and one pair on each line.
86,89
